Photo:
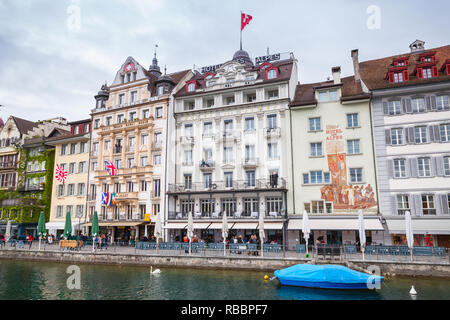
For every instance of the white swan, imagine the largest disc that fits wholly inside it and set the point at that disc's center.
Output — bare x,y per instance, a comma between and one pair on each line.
154,272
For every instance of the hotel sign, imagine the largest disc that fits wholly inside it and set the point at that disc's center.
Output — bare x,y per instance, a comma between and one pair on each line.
211,68
270,57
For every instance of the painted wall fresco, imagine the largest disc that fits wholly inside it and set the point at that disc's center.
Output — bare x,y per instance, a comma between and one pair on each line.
344,196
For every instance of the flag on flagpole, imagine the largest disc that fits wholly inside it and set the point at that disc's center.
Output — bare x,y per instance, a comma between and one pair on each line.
245,20
60,174
108,199
110,168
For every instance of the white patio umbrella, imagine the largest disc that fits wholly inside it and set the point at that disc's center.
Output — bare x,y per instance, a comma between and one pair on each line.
306,228
362,232
224,232
190,230
262,234
8,231
409,232
158,228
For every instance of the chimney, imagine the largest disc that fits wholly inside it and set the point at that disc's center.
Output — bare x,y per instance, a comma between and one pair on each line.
356,64
336,71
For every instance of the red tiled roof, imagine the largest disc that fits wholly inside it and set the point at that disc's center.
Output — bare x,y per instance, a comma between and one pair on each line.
373,72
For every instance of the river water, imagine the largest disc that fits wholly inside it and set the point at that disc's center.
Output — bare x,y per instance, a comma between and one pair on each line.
48,280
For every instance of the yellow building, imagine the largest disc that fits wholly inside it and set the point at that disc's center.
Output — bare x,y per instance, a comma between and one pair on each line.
72,155
129,129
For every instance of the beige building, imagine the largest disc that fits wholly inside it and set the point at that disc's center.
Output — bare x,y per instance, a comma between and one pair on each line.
129,129
71,154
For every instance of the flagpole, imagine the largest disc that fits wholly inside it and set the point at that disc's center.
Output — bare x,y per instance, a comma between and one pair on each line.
241,30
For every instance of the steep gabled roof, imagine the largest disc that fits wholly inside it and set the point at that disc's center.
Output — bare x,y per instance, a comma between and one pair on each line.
23,125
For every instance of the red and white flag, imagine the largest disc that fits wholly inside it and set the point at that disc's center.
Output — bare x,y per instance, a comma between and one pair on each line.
245,20
61,174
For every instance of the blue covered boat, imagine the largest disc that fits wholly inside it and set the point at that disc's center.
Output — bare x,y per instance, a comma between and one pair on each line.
326,276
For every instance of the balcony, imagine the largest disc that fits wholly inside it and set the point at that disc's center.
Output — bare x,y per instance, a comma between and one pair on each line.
238,215
250,163
126,196
34,187
237,185
131,148
272,132
229,136
118,150
126,125
207,165
157,145
187,140
8,165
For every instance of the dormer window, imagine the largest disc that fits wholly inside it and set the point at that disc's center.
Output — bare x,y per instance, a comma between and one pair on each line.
160,90
190,86
400,62
398,77
446,67
271,74
398,74
209,76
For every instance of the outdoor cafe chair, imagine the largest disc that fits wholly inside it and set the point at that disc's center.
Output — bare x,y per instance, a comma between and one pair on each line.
254,215
238,214
350,248
370,250
423,251
215,215
439,251
273,214
300,248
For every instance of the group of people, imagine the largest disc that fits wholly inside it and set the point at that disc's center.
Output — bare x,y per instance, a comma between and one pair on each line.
21,240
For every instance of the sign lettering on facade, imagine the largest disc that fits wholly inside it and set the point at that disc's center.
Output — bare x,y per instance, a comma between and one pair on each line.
210,68
270,57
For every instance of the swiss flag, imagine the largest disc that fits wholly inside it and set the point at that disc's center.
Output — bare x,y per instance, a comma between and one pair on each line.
245,20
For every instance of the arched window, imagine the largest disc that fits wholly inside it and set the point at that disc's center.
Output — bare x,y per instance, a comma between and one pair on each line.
272,74
191,87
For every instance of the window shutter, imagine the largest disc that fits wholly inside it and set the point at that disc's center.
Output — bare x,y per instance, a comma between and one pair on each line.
433,164
408,106
413,170
437,133
440,166
417,204
419,73
444,203
390,168
385,108
448,69
394,205
428,103
434,71
391,77
405,75
433,102
431,133
411,135
388,136
404,105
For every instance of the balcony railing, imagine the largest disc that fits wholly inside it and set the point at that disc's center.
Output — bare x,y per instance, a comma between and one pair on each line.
157,145
236,185
8,165
229,135
250,162
207,165
219,215
272,132
187,140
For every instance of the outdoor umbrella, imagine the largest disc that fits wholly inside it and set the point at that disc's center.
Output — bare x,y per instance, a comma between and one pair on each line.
262,235
362,233
224,232
306,228
158,228
8,231
41,228
68,226
190,229
409,232
94,229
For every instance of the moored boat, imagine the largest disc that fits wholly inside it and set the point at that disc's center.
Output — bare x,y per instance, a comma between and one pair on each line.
326,277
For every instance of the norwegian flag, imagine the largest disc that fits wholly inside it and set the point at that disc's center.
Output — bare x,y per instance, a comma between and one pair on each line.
110,168
61,174
245,20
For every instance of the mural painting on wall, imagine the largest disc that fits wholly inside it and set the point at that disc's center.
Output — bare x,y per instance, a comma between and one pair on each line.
339,192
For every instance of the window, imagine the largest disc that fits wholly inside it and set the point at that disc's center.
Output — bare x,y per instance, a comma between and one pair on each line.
249,153
399,168
273,151
317,206
228,179
397,136
187,157
306,178
71,190
207,154
76,130
316,177
228,154
418,105
121,99
188,181
273,94
402,204
64,149
249,124
81,189
157,159
144,161
107,144
158,137
118,163
96,123
447,166
398,77
132,116
442,103
189,105
143,185
251,97
207,129
352,120
146,114
316,149
59,212
144,139
424,169
207,179
353,146
272,74
314,124
420,134
229,206
250,175
191,87
394,107
159,112
108,121
274,204
188,130
157,188
229,100
134,96
272,121
428,204
426,73
72,168
94,166
61,188
120,118
228,126
131,143
83,148
250,205
130,186
210,103
356,175
445,132
131,163
328,95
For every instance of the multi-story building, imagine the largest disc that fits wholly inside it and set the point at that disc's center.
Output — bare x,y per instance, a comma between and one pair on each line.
129,129
230,154
333,169
72,155
411,125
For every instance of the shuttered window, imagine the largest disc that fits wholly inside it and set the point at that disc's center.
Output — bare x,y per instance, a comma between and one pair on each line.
428,206
445,132
424,167
397,136
399,168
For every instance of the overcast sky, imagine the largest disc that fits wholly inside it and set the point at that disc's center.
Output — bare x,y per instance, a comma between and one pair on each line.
51,68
